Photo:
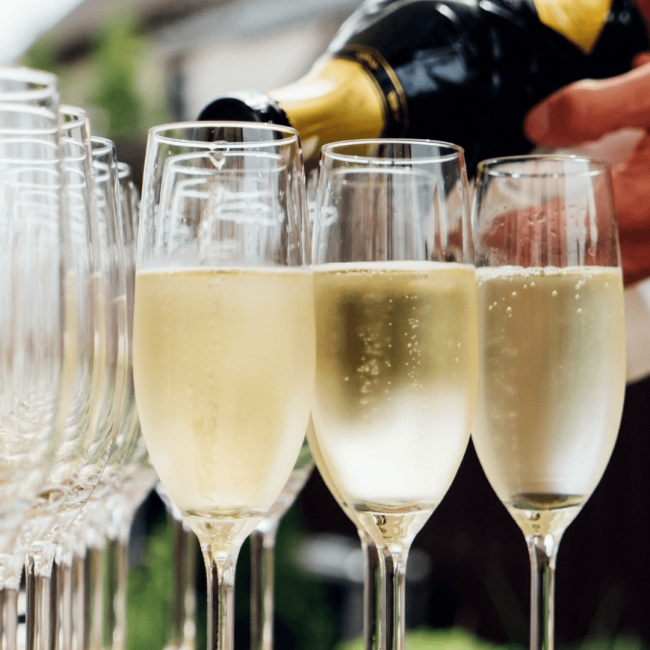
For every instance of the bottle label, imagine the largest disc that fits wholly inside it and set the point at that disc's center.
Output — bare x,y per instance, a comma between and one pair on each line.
396,109
336,100
581,21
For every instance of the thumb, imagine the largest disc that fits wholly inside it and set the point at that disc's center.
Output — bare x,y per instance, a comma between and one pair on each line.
586,110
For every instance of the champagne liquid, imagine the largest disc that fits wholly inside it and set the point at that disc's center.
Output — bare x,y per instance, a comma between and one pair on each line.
321,465
397,373
551,387
223,367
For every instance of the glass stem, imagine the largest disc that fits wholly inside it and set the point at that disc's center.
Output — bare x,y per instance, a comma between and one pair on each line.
81,604
372,591
30,603
10,618
178,548
110,577
42,603
220,568
96,596
543,553
88,599
65,598
183,612
119,600
11,567
393,580
262,584
188,588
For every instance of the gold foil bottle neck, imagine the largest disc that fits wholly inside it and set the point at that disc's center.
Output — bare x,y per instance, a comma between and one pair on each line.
581,21
337,100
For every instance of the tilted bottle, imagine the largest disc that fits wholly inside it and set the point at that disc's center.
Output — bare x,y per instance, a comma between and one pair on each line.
464,71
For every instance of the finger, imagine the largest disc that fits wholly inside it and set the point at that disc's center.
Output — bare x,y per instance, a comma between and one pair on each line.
636,258
586,110
641,59
644,6
632,190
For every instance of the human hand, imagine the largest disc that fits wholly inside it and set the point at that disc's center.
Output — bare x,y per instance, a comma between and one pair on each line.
587,110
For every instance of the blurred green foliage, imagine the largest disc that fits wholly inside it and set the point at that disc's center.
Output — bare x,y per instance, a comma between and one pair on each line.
443,639
116,58
149,593
42,56
119,78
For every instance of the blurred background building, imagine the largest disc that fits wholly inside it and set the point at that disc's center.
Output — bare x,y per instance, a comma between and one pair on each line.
143,62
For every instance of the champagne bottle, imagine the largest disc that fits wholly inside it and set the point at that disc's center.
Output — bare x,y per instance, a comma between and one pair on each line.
463,71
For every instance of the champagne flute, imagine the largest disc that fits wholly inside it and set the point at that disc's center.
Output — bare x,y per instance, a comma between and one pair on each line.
396,339
552,346
38,298
105,442
223,337
136,477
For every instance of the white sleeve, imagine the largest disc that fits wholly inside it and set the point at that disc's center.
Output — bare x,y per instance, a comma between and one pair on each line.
637,330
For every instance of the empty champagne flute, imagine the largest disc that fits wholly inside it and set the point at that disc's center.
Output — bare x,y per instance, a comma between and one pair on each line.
39,297
396,339
223,334
135,477
552,348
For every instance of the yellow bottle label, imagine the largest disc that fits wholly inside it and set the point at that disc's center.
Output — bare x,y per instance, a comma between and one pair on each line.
353,95
336,100
581,21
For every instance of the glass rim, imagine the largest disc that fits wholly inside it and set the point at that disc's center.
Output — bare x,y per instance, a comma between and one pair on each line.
101,146
492,166
29,140
291,134
80,156
46,171
123,170
329,150
78,115
45,84
49,118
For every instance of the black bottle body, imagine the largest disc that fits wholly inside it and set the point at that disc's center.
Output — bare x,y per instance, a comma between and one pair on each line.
463,71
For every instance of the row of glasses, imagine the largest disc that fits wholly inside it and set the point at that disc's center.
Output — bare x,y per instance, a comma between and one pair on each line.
108,450
38,304
67,389
83,457
38,535
407,341
550,350
136,477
